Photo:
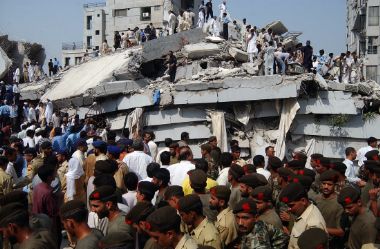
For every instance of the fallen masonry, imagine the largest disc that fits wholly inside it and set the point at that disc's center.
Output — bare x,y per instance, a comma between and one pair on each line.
215,87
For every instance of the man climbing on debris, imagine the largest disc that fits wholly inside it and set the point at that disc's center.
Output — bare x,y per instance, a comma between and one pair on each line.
172,65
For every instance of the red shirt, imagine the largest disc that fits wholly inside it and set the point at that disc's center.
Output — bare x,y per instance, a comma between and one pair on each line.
44,200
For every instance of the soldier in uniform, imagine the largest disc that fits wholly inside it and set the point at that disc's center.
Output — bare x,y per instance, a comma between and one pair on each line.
331,210
5,179
225,222
164,227
249,182
38,161
313,238
103,201
234,174
374,192
307,214
14,225
235,151
116,241
274,163
254,233
212,171
203,230
74,219
198,179
362,229
263,197
173,194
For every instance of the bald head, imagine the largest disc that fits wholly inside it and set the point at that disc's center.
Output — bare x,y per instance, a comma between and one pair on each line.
185,154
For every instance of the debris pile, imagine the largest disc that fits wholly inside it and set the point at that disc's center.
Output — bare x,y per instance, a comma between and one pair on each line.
214,80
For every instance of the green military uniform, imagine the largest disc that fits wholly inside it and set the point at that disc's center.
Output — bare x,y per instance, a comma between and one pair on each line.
90,241
362,230
118,225
271,217
262,236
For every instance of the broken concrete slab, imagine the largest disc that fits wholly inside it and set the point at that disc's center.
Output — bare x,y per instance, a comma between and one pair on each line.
117,87
200,50
197,131
5,63
250,68
329,102
214,39
174,116
156,49
198,86
278,27
238,54
189,97
335,86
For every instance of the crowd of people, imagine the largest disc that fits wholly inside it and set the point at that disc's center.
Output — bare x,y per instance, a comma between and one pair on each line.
65,174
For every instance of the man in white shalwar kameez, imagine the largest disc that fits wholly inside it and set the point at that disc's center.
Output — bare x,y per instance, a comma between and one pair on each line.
172,22
48,111
252,48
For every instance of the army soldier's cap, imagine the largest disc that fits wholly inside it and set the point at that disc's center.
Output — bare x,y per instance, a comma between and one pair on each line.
221,192
136,213
18,196
285,172
103,193
372,166
198,178
147,188
236,171
163,219
116,240
71,208
113,149
255,180
292,192
45,145
249,169
81,142
325,162
348,195
11,212
262,193
274,163
329,175
246,206
189,203
313,238
296,164
306,172
372,155
105,167
304,180
173,190
100,144
339,167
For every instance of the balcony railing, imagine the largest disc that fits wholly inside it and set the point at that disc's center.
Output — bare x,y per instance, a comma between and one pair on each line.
72,45
93,5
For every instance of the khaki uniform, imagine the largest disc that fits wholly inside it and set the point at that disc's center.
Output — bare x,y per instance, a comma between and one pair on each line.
119,175
187,242
226,225
5,183
362,231
37,162
89,165
151,244
206,234
62,170
271,217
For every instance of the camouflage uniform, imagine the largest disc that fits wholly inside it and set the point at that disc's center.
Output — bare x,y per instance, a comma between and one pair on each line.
212,169
264,236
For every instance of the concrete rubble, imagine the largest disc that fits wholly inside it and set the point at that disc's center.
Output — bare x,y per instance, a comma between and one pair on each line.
5,63
213,76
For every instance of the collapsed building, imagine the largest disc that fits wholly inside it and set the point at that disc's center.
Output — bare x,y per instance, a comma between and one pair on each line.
216,92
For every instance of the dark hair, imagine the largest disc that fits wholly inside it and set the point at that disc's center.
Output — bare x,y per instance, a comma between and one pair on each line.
168,142
235,149
58,131
111,136
225,159
267,148
30,133
45,171
201,164
104,180
152,168
8,151
51,161
258,161
79,216
371,140
30,151
349,150
131,180
234,142
3,161
165,158
184,135
184,154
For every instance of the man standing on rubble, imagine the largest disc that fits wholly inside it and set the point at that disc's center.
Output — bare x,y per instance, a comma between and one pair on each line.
225,21
307,56
172,65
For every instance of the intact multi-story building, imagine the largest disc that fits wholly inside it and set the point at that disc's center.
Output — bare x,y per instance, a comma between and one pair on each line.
101,20
363,32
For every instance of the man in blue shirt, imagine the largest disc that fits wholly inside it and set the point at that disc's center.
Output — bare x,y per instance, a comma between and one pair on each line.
225,20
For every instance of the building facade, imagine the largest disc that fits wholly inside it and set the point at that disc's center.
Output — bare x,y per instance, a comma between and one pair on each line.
102,20
363,32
